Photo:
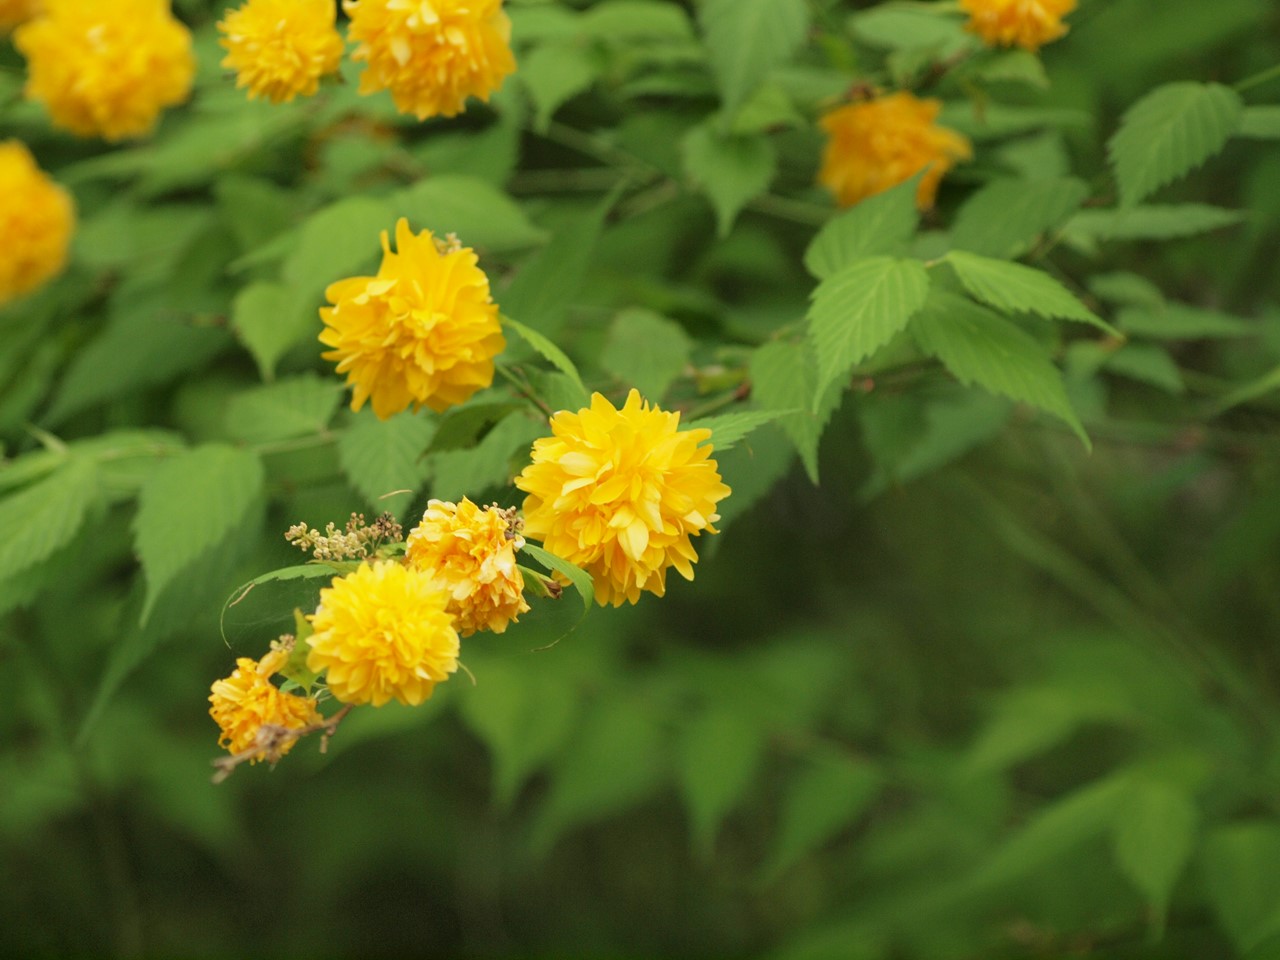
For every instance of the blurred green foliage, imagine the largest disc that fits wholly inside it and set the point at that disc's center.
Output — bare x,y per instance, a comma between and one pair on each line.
981,693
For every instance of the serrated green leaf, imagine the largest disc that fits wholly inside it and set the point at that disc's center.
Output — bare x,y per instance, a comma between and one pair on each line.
647,351
728,428
553,74
747,39
302,571
858,309
730,169
1180,321
337,242
1014,288
1149,364
718,755
1242,878
623,20
1267,383
1128,289
270,318
784,376
550,351
1005,218
187,506
488,464
576,576
1013,66
900,26
45,516
1260,123
1149,222
461,428
475,210
297,407
881,224
980,347
1155,830
382,457
1170,131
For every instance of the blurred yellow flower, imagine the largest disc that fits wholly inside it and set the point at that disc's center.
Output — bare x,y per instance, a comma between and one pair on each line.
423,331
382,633
14,12
247,701
106,68
431,54
877,144
37,217
471,552
281,48
1029,24
620,492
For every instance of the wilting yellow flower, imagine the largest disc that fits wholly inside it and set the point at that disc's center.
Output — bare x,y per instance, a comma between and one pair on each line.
106,68
877,144
431,54
423,331
14,12
1025,23
620,492
471,552
246,701
383,633
281,48
36,221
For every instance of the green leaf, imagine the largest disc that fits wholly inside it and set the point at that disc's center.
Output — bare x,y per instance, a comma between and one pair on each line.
461,428
298,407
553,74
824,799
302,571
270,318
489,464
1179,321
1170,131
1260,123
1245,393
382,457
1013,66
1149,222
337,242
1242,877
719,754
881,224
981,348
188,505
1155,829
858,309
784,376
1128,289
551,352
1014,288
576,576
1005,218
896,26
728,428
729,169
619,21
647,351
475,210
747,39
1149,364
46,515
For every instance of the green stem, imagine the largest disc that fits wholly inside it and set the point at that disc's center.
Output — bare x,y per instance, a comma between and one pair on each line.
1259,78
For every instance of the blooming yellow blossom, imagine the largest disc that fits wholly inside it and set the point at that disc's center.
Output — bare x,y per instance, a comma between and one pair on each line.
14,12
471,552
106,68
1029,24
431,54
423,331
246,701
877,144
620,492
36,221
281,48
383,633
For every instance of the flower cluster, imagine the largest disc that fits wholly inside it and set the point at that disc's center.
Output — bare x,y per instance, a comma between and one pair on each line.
357,540
876,144
1029,24
281,48
259,721
106,69
37,218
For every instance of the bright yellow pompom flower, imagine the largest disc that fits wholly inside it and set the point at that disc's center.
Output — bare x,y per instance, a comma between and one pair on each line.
246,701
1029,24
424,331
431,54
877,144
620,492
471,552
37,218
14,12
281,48
383,633
106,68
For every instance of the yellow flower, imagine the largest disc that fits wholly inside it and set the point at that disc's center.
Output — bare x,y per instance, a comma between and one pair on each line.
37,217
14,12
471,552
431,54
281,48
877,144
247,701
106,68
1025,23
620,492
383,633
423,331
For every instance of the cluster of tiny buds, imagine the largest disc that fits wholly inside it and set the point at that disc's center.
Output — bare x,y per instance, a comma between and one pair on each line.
515,522
449,244
358,541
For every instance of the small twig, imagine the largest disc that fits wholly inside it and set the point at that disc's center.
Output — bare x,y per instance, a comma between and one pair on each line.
273,740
